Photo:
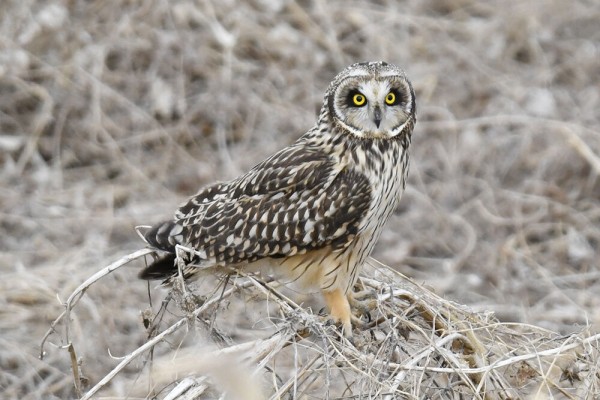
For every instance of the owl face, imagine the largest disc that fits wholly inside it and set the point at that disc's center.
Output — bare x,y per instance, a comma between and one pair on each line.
372,100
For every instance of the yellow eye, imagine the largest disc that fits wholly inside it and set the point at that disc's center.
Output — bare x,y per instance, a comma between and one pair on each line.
390,98
359,100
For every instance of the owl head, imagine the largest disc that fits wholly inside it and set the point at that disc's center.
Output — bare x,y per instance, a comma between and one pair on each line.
371,100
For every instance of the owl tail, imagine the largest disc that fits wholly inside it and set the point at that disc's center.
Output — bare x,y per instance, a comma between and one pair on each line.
165,236
162,268
162,236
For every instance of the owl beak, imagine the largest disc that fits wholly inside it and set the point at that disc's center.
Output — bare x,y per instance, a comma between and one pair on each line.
377,116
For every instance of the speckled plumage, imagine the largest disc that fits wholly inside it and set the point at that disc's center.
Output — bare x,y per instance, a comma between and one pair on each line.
314,210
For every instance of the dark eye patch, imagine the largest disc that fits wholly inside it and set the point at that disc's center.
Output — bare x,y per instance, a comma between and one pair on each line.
398,97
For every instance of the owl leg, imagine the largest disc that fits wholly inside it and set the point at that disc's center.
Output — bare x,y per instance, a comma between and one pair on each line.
339,309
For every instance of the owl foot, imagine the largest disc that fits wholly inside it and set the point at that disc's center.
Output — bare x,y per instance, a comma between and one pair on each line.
339,310
346,310
363,302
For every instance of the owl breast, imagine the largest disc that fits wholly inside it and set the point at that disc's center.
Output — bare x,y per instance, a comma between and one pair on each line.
387,169
385,165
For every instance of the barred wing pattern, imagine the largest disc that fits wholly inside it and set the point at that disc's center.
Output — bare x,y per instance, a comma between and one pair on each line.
300,199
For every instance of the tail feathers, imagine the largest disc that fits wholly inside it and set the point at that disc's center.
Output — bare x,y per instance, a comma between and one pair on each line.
165,268
165,235
162,268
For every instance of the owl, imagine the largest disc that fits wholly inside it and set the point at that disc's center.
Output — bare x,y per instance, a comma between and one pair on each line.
314,210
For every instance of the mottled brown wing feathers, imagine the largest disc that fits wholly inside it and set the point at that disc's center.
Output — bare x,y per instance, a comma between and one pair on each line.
206,195
292,169
293,202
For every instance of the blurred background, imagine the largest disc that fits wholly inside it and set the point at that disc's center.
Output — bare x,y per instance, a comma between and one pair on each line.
112,113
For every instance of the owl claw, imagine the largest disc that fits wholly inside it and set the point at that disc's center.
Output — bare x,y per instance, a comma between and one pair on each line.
359,323
364,301
347,333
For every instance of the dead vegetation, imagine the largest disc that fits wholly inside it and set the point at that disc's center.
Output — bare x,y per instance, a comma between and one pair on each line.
112,114
413,345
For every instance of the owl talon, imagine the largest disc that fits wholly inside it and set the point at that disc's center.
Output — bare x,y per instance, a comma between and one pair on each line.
359,323
364,302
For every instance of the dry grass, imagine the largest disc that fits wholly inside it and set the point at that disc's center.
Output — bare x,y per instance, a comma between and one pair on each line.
110,115
413,344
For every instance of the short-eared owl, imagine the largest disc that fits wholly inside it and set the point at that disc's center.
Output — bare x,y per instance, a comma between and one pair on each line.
314,210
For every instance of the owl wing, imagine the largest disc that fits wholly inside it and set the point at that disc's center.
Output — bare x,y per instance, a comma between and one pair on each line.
297,200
